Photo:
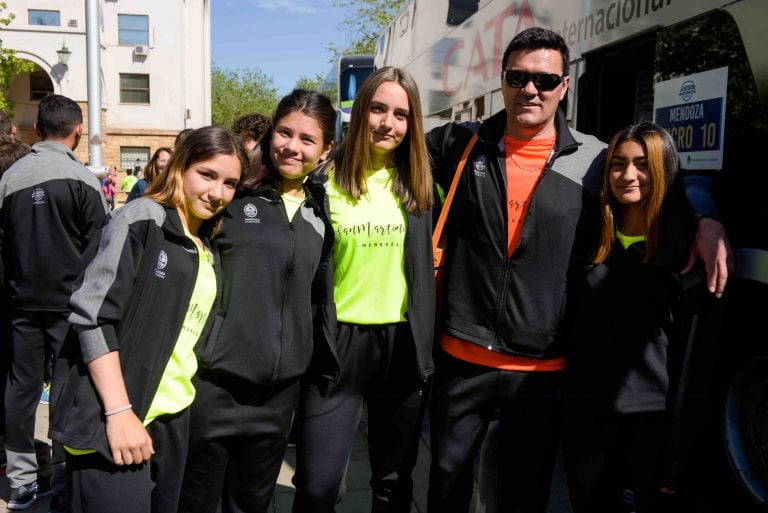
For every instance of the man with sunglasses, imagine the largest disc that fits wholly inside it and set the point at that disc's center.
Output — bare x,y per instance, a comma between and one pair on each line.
523,218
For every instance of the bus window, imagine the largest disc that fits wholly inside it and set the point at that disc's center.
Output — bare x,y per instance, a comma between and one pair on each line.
460,10
351,80
617,89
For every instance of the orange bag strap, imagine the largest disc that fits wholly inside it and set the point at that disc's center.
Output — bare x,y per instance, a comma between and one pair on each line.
438,232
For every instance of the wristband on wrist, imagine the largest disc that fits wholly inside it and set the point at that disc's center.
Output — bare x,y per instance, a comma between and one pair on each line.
118,410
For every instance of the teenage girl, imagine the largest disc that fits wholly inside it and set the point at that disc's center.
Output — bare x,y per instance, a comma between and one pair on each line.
617,377
152,170
380,195
277,290
139,309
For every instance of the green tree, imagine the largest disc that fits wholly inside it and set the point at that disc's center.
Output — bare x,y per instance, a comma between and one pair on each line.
364,21
310,83
235,92
10,65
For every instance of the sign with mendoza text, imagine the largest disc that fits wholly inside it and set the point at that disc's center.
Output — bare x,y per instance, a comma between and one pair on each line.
692,108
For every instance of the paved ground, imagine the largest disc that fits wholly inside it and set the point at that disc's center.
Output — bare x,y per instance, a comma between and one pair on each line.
358,496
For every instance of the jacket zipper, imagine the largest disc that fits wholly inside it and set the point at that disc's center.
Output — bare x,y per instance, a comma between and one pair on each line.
288,272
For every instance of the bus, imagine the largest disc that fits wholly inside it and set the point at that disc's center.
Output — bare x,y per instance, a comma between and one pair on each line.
341,85
633,61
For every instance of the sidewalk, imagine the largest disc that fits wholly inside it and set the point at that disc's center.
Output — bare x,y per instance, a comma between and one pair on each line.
358,496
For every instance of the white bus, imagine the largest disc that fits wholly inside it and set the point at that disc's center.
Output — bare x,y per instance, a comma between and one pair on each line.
342,83
625,57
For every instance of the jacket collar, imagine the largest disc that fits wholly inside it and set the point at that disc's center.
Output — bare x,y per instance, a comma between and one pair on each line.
312,190
491,131
54,147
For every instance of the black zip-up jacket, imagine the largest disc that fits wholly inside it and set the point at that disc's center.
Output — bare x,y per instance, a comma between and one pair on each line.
420,277
51,207
277,290
514,305
132,297
626,321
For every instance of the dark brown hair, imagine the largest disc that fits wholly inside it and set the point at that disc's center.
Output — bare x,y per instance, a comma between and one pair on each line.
11,150
310,103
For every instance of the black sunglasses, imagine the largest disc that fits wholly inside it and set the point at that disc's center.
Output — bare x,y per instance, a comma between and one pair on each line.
542,81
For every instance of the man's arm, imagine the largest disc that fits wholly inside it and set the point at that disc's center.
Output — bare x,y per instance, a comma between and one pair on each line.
711,242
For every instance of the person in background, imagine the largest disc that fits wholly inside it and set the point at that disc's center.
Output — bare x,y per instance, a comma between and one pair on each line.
126,399
522,224
618,375
153,169
251,128
51,207
109,189
11,150
129,181
380,197
276,239
6,125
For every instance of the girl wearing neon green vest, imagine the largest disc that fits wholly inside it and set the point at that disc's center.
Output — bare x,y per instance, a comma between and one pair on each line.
139,308
379,190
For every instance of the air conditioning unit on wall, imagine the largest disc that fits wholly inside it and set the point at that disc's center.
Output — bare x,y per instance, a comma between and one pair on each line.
141,51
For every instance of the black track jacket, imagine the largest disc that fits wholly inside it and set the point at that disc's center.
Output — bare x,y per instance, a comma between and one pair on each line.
276,314
514,305
132,297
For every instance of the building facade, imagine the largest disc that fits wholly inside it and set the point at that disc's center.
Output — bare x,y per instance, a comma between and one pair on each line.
154,73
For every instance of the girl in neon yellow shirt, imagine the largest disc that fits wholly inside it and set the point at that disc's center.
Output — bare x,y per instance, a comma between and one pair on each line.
139,308
379,187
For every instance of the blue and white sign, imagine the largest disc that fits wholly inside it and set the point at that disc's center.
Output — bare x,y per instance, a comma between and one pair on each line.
692,108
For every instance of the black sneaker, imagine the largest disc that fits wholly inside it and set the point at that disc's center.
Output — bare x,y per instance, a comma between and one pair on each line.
59,504
24,501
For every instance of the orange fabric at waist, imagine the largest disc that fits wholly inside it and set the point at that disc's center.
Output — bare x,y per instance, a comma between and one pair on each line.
473,353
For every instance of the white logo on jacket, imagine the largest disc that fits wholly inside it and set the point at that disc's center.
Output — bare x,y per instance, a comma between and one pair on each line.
250,211
479,165
38,196
162,261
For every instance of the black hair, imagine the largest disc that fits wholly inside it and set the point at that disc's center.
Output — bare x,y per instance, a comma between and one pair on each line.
537,38
57,116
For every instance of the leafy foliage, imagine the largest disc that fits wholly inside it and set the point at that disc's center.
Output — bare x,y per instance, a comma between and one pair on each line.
10,65
235,92
364,21
310,83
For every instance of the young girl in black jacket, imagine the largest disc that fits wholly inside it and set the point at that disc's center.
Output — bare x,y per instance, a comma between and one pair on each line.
618,372
274,321
139,308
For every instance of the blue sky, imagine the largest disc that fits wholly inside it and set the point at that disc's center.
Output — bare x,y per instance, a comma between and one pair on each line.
286,39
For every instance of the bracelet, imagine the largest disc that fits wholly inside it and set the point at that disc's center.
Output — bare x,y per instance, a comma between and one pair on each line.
118,410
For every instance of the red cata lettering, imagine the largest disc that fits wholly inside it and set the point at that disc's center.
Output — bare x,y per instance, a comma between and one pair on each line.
477,62
450,91
480,67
